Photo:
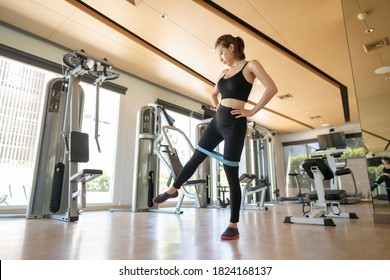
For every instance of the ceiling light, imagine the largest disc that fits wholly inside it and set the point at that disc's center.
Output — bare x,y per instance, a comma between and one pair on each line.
382,70
362,16
164,16
369,30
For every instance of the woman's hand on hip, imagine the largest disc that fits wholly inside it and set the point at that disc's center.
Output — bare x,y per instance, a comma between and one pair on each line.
241,113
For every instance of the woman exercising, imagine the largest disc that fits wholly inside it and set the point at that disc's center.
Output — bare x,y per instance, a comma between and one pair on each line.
230,121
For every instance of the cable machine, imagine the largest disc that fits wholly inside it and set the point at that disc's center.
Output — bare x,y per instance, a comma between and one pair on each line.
56,193
209,169
260,164
153,148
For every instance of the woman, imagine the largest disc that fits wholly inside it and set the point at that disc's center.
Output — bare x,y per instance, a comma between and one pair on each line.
230,121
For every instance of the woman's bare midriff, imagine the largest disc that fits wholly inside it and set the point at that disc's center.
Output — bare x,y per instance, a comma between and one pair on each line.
233,103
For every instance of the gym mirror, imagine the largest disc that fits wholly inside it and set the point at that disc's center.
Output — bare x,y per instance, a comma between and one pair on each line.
367,28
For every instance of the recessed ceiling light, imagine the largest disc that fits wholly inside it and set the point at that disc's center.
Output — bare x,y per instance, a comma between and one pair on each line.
382,70
164,16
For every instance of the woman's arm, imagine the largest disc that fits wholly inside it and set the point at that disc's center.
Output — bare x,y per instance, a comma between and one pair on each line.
214,97
258,71
270,87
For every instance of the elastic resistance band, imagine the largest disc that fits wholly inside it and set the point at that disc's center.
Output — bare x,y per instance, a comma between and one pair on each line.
218,157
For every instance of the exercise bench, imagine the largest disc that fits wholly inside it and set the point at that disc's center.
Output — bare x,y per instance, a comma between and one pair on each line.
323,204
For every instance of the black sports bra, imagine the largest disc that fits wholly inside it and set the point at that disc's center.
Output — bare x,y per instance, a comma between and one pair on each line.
236,86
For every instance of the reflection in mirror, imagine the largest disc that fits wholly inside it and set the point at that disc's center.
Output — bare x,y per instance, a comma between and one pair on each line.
379,174
366,23
344,156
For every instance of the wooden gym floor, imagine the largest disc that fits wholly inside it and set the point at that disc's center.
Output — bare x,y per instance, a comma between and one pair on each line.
195,235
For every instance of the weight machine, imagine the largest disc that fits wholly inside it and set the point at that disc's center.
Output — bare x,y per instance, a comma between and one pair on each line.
323,204
55,190
153,148
339,168
259,180
253,197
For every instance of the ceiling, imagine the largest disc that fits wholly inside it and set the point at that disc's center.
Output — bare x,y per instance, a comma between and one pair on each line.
302,44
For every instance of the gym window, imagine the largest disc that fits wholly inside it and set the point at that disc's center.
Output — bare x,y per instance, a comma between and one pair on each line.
22,90
23,80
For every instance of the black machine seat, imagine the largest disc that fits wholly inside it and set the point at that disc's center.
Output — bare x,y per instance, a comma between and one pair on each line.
343,171
86,175
247,178
322,166
79,147
194,182
329,195
177,167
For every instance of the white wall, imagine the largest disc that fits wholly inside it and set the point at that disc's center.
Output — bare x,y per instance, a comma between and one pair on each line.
140,93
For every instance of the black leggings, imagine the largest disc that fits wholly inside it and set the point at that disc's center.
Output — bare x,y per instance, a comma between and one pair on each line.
224,126
385,179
